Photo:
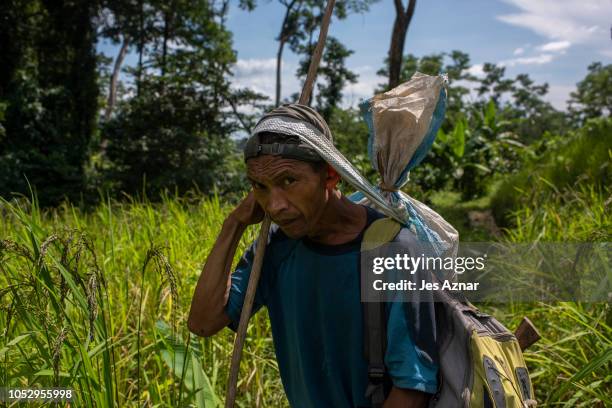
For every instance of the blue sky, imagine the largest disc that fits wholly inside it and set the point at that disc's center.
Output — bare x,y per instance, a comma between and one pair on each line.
552,40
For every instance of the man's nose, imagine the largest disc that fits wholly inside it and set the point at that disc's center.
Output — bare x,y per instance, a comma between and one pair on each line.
277,202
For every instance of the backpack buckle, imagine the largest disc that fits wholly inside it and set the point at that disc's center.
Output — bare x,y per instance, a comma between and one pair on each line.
376,372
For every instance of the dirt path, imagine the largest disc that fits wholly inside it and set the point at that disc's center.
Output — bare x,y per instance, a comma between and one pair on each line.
484,220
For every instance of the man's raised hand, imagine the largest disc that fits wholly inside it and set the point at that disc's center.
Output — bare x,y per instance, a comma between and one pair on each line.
248,211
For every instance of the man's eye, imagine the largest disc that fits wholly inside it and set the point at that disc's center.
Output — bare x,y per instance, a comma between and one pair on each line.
288,181
258,186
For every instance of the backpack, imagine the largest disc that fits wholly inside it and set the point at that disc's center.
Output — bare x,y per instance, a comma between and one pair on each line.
480,361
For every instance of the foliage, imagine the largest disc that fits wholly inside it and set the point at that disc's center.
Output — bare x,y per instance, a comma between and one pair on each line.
164,142
580,158
482,138
177,113
561,195
49,94
146,259
571,364
593,96
332,75
174,127
351,139
253,105
98,302
466,157
302,18
455,64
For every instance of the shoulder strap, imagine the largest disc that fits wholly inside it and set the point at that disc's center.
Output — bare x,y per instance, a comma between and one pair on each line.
380,232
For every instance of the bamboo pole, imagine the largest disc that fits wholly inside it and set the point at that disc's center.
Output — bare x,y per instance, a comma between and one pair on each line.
245,315
262,240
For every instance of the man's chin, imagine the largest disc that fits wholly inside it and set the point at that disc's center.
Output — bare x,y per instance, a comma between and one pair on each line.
293,233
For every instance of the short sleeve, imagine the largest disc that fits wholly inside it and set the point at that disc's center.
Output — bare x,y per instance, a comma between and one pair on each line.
411,357
239,284
409,365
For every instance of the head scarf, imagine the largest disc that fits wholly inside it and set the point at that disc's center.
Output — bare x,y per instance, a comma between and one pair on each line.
302,113
291,120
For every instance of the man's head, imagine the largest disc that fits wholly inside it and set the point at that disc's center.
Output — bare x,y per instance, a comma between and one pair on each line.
291,182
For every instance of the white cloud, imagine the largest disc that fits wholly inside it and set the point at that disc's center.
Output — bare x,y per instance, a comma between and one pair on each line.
519,51
254,66
476,70
558,95
606,53
536,60
260,76
575,21
367,82
555,46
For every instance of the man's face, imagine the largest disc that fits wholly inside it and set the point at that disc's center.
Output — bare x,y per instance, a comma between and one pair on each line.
290,191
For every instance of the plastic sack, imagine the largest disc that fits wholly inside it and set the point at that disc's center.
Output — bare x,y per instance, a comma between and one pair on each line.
403,124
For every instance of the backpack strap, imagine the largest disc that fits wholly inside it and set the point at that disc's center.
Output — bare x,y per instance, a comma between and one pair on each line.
380,232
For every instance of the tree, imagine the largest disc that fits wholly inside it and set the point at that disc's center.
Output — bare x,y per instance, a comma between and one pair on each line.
255,105
121,22
177,125
593,95
50,91
530,114
493,85
455,65
335,74
332,75
289,28
403,17
301,19
350,134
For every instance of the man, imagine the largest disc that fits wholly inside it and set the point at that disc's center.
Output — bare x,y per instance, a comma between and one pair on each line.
310,280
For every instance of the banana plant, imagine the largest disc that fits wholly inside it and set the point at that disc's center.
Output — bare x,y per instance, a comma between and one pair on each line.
478,147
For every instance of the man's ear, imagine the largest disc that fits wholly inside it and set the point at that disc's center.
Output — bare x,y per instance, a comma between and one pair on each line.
332,179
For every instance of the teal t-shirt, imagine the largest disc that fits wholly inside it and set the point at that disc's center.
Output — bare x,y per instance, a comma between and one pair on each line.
312,293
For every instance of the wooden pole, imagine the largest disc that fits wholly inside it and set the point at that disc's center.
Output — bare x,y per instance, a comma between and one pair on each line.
316,55
246,311
245,315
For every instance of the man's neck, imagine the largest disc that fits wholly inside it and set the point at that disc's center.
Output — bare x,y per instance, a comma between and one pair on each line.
341,221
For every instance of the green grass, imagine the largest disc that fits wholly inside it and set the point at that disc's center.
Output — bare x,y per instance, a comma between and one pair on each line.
583,158
571,365
456,212
98,302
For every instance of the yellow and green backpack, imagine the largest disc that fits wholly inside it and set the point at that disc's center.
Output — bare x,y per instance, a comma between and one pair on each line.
481,364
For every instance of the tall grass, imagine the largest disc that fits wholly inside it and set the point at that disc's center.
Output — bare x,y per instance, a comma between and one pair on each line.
572,365
563,195
98,302
582,158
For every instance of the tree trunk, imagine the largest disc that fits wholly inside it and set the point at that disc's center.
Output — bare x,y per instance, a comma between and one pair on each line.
244,124
279,59
140,48
398,39
282,38
311,49
165,43
112,89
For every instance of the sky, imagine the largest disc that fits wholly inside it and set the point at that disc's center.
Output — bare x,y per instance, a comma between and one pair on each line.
553,41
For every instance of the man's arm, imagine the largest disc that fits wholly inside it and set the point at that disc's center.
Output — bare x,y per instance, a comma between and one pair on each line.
207,315
403,398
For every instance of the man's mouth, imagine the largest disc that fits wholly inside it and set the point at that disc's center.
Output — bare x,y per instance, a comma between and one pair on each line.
285,223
